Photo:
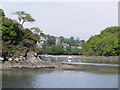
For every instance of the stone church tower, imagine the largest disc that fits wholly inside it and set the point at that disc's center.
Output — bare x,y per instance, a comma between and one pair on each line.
57,41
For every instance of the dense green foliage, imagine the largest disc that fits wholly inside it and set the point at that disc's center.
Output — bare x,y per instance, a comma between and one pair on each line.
16,40
57,50
105,44
71,41
2,13
50,40
24,17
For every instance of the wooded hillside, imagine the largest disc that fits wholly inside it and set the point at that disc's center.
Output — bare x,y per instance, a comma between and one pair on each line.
107,43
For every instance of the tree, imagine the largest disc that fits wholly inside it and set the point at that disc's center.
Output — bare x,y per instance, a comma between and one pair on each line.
36,30
75,51
57,50
10,31
71,38
106,43
83,41
62,39
11,36
23,17
16,41
2,13
39,50
51,41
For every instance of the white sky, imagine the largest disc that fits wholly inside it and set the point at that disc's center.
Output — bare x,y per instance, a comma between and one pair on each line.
59,0
78,19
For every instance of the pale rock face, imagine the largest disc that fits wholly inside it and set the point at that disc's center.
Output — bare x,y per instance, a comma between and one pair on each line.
38,58
16,59
10,59
34,58
22,58
30,55
1,58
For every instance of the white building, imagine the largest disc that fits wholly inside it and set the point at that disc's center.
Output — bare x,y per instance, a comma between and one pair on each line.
41,42
57,41
65,45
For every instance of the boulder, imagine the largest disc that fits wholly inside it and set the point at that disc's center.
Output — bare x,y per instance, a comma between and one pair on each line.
21,58
17,59
34,58
30,55
10,59
1,58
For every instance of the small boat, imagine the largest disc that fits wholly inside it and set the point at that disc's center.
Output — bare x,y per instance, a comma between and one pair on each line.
70,58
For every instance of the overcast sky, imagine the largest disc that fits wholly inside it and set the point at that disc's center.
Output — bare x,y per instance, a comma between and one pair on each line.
78,19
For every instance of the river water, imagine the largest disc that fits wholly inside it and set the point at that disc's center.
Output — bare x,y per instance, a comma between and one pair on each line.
58,79
96,64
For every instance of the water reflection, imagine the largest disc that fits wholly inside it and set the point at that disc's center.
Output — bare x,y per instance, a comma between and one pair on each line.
58,79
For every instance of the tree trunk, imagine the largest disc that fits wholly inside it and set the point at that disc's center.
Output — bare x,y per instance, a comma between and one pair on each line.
22,23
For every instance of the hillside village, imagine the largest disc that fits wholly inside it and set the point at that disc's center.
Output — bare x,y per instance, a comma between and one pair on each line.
43,40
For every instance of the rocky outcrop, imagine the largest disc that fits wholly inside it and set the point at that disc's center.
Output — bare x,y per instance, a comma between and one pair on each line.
1,60
31,61
32,56
31,64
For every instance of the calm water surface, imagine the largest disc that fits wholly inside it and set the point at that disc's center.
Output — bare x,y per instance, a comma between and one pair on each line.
58,79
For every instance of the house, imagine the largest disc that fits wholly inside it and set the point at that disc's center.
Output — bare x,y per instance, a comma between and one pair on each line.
65,45
41,42
79,47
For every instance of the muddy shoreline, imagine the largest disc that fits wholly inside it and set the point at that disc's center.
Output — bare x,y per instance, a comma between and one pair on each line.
53,66
56,64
